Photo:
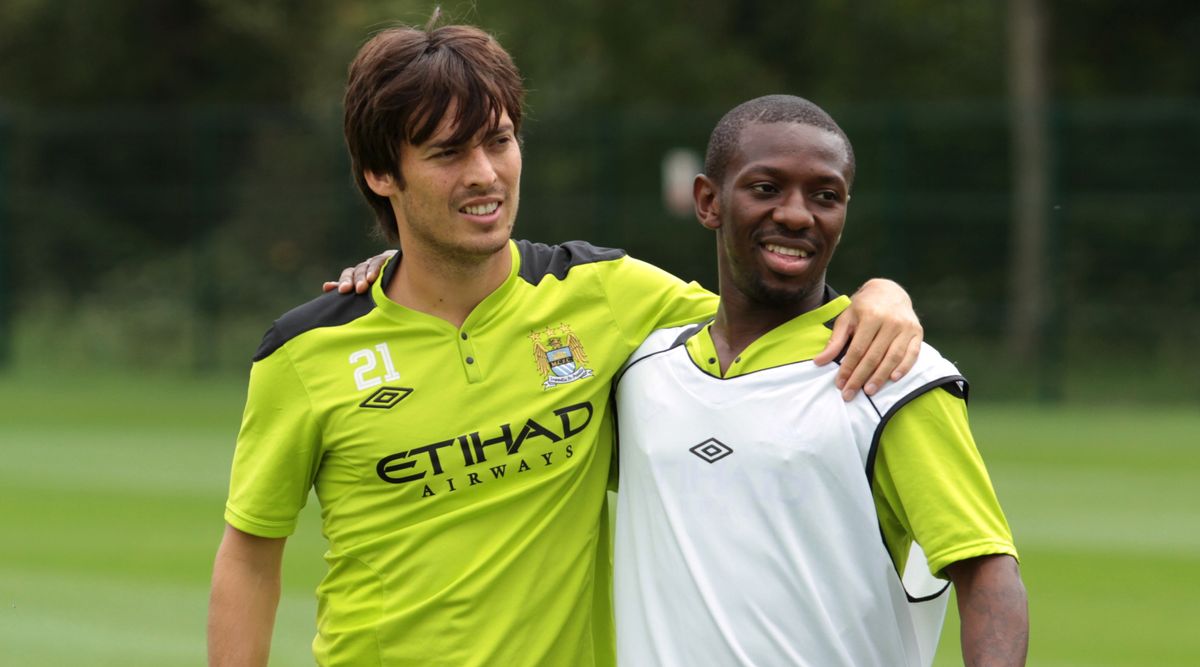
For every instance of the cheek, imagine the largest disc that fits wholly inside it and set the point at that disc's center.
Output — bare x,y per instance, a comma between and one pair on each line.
511,167
833,228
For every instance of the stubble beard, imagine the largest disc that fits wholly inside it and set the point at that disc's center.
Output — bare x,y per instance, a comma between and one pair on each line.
466,256
751,282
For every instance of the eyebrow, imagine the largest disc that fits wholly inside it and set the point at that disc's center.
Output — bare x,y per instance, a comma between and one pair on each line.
500,129
775,172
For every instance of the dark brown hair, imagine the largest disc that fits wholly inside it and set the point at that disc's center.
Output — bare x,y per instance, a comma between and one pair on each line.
400,86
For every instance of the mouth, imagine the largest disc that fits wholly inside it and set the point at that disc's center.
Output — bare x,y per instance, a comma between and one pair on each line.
481,209
787,259
777,249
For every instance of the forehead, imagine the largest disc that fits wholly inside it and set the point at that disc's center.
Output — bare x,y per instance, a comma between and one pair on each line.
789,146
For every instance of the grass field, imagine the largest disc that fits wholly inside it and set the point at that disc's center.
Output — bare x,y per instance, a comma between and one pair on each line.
111,495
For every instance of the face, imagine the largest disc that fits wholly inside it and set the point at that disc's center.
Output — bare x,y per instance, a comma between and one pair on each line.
778,214
459,201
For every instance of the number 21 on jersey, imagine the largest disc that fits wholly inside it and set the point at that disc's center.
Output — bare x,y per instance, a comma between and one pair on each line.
366,363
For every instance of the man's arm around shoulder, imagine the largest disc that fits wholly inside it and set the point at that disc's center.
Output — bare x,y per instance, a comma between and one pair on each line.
245,595
993,611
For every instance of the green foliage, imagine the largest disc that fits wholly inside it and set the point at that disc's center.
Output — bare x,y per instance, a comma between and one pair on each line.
175,172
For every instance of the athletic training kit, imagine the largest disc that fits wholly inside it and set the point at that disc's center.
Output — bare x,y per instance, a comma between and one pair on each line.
762,520
461,471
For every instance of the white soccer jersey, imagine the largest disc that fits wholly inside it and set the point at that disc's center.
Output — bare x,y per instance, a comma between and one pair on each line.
746,531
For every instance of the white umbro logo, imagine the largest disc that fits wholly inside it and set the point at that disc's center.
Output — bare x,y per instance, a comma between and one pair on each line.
712,450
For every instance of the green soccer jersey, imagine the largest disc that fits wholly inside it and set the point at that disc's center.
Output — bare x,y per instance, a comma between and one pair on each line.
461,471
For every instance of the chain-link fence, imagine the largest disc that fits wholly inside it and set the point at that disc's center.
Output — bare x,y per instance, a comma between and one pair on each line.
148,238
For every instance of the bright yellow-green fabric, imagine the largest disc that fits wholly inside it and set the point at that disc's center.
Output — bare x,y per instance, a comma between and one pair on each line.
929,480
931,484
799,339
465,521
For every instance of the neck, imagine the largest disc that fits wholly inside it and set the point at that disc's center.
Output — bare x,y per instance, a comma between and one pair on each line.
446,289
740,320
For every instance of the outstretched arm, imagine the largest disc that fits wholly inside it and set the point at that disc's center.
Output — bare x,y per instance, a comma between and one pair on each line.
884,335
993,611
245,595
358,278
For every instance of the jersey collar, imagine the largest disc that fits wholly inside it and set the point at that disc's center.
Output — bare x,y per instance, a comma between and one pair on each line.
480,315
799,339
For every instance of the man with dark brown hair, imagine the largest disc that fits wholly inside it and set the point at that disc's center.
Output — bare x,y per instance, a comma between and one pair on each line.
454,420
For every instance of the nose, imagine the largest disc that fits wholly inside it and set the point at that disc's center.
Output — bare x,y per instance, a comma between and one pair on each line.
479,171
793,212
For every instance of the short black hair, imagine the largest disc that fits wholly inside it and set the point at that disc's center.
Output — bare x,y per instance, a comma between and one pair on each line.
766,110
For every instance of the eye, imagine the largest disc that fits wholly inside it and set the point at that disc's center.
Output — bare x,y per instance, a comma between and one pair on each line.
828,195
502,141
445,154
764,188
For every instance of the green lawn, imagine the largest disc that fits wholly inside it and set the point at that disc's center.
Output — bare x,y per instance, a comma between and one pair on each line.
111,496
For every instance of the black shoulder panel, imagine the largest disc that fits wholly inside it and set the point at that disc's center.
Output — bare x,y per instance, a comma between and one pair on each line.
539,260
327,310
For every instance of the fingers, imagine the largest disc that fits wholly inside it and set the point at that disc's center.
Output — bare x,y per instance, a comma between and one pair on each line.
345,282
362,277
342,284
358,278
910,357
861,359
367,272
842,328
899,352
878,353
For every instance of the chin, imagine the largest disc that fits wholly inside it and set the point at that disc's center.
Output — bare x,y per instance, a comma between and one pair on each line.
487,246
783,295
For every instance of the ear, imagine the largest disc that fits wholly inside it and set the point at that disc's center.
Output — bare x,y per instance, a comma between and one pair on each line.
708,208
383,185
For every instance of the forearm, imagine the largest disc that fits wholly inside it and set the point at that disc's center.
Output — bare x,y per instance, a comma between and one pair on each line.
993,611
245,595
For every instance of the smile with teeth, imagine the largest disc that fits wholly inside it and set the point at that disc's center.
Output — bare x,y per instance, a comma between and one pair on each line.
790,252
481,209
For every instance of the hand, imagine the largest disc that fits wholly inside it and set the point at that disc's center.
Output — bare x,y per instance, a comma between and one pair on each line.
884,334
359,278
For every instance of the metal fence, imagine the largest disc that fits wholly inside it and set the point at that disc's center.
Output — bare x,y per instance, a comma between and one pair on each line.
171,238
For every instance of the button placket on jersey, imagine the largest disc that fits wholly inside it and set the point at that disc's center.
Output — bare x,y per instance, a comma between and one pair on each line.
468,357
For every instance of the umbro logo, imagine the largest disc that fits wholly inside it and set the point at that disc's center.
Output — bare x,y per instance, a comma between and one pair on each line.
386,397
712,450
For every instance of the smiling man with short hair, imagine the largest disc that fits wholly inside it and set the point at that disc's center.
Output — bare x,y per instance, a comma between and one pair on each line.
752,497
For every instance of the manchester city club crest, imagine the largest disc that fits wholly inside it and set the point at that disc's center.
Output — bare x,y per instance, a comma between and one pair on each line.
559,356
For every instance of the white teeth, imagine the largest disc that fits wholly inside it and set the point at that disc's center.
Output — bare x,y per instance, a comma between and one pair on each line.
482,209
791,252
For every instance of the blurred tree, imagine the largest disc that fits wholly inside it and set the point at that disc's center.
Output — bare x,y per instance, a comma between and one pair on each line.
1030,297
129,115
163,140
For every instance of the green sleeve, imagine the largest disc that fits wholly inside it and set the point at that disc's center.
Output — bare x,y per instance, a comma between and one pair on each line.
277,452
931,485
644,298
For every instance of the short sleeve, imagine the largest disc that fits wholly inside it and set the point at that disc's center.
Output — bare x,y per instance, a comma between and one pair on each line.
645,298
930,484
278,448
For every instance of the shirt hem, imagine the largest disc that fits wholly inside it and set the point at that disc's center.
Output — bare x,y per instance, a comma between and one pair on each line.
258,527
